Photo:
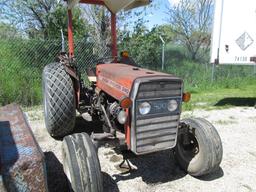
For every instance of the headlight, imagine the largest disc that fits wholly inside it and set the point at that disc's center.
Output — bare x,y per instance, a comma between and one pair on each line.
144,108
172,105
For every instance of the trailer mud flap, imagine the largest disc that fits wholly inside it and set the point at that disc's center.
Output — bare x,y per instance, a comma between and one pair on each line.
22,165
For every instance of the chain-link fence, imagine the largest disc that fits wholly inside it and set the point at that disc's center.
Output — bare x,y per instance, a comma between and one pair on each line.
22,62
35,54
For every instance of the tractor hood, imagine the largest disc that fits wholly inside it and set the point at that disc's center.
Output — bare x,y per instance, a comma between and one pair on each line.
117,79
114,5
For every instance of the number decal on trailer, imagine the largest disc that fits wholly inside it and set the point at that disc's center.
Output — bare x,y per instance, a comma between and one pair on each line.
241,58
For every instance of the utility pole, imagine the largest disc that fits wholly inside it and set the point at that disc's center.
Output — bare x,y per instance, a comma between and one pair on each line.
163,51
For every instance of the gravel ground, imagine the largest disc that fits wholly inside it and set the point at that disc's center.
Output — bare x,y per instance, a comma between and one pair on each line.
159,172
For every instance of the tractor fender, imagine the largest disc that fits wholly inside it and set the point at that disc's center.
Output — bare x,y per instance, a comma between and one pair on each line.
76,83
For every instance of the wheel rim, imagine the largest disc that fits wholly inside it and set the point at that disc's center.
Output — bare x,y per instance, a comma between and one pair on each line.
188,150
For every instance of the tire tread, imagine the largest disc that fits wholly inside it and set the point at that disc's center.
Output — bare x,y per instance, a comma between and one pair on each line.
59,99
89,176
212,145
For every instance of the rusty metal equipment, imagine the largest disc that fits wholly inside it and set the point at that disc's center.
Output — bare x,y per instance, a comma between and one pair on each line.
22,166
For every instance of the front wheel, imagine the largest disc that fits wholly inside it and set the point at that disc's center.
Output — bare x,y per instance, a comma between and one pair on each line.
59,100
199,148
81,163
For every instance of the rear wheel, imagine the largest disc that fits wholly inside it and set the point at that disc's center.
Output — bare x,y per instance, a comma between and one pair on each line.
59,100
199,148
81,163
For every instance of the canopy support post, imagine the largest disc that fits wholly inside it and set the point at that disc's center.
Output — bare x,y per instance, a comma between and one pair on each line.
114,35
70,35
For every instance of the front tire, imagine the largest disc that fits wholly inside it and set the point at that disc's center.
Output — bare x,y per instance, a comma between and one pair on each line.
199,148
59,100
81,163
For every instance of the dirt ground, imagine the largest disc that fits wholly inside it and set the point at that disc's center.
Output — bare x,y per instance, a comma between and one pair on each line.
159,172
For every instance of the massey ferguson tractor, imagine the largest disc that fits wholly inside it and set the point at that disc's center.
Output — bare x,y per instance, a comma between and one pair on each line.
139,108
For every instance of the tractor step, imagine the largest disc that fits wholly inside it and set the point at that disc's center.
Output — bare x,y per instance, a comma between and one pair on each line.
22,164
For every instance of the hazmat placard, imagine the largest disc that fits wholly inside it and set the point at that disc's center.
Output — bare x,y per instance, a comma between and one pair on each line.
234,32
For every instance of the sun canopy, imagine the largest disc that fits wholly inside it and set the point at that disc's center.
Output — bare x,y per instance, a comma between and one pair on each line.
118,5
114,5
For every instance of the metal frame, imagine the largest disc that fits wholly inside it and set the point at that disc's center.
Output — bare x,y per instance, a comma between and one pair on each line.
22,161
70,35
113,29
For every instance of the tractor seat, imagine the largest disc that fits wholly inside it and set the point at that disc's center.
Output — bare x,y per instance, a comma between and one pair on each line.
91,73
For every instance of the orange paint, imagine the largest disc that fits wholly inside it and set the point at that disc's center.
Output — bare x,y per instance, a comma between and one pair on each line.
70,35
117,79
127,128
186,97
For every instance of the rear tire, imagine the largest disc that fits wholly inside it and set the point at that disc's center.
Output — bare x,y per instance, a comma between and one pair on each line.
81,163
59,100
202,153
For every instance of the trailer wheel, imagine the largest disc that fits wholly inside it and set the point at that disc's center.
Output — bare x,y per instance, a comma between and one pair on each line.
59,100
199,148
81,163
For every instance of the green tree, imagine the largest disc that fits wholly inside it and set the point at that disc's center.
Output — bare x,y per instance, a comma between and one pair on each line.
100,29
8,31
58,19
100,32
40,18
144,46
190,21
30,15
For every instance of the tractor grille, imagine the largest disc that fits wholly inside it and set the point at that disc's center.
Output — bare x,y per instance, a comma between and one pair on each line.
156,133
159,90
157,130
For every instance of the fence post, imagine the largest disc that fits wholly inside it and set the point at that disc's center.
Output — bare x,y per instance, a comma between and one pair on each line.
163,51
62,42
213,71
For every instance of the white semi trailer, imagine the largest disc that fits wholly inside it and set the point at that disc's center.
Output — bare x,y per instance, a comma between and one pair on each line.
234,32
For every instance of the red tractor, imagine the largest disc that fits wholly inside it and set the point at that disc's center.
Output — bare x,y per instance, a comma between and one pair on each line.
139,108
